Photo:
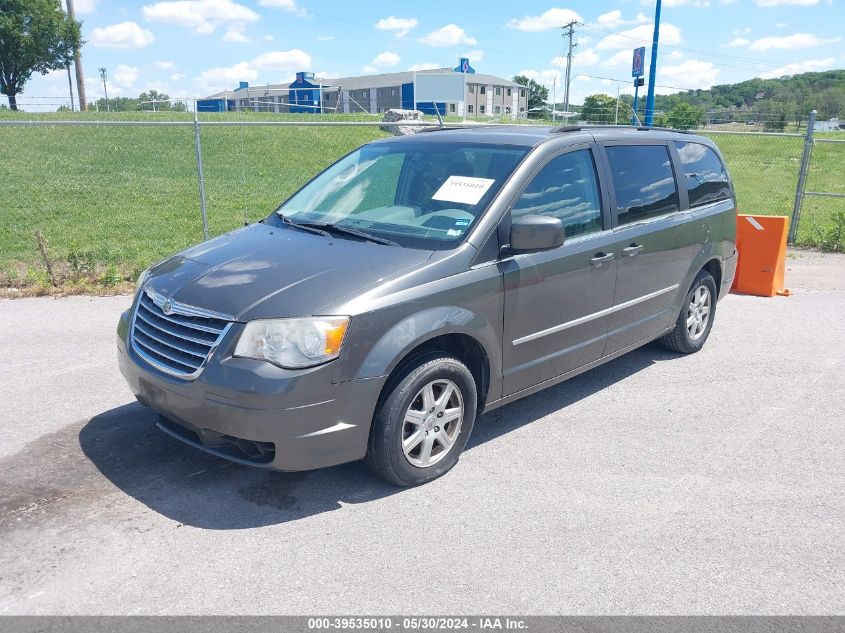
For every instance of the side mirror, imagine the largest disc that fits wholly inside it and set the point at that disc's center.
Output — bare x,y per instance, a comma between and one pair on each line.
535,233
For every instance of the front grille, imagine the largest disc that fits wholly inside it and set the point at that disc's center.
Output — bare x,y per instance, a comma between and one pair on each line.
177,342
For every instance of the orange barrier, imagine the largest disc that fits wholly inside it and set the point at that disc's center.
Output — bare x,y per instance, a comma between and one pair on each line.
761,242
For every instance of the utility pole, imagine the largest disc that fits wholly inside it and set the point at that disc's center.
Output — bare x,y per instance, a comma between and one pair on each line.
652,72
77,57
104,75
569,29
616,117
70,87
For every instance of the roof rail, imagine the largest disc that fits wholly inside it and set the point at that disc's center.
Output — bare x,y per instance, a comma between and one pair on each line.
641,128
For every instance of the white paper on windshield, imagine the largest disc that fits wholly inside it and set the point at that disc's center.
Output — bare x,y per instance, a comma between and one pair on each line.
463,189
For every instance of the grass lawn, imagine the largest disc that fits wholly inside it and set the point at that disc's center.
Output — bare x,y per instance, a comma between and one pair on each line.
110,200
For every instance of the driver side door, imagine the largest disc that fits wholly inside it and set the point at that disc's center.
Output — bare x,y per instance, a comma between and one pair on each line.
557,302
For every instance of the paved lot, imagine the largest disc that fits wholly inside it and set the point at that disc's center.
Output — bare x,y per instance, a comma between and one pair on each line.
713,483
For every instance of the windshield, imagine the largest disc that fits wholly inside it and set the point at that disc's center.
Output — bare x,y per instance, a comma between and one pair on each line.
417,194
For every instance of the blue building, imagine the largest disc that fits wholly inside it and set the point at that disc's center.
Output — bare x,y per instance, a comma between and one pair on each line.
485,95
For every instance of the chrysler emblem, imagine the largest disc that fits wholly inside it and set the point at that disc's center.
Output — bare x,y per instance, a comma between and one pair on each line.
167,306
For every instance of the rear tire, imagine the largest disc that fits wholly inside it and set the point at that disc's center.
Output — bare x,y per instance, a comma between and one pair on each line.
696,318
424,423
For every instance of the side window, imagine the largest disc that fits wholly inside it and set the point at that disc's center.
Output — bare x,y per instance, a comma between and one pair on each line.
643,181
566,188
707,180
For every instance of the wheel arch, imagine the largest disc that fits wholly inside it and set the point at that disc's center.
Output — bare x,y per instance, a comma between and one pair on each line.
451,330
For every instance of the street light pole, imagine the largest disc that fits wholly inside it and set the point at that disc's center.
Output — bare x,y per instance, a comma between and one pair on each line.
104,75
652,72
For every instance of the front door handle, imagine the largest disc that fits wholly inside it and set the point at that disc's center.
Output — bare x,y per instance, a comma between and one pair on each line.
632,250
600,258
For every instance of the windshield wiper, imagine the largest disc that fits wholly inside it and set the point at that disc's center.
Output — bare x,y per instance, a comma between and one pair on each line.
347,231
305,226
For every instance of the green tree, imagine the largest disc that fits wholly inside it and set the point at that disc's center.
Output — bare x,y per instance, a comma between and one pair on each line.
538,94
600,108
35,36
684,116
117,104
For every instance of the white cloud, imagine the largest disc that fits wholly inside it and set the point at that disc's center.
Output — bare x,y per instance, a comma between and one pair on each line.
165,65
671,4
125,76
325,38
613,19
289,61
690,74
801,67
288,5
791,42
235,33
400,26
382,60
83,7
548,77
670,35
449,35
177,77
587,57
225,77
552,19
202,16
285,63
783,3
474,56
424,66
267,38
619,59
123,35
738,41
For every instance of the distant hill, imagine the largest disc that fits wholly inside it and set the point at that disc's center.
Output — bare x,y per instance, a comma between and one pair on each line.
768,101
792,96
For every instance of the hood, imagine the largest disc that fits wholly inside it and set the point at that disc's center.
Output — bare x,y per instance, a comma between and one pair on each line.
261,272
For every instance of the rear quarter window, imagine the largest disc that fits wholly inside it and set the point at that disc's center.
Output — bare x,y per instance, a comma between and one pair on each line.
705,175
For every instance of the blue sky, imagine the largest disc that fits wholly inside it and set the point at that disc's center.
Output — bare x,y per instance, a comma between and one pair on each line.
195,47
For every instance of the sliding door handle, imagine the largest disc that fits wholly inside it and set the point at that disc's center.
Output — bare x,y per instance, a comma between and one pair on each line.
600,258
632,250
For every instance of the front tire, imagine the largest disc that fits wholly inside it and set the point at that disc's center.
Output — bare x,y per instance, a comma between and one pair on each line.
424,423
696,318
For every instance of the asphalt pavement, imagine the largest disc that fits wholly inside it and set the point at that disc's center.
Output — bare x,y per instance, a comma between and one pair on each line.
655,484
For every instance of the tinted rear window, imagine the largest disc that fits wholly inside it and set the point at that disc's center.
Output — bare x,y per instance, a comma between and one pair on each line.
643,181
707,180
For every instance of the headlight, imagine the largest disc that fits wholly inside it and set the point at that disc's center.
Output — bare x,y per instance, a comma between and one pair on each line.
293,343
142,279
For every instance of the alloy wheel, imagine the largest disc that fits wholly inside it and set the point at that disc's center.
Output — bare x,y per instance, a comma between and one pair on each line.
698,312
432,423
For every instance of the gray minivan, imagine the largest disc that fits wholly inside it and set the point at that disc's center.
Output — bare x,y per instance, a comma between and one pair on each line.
421,280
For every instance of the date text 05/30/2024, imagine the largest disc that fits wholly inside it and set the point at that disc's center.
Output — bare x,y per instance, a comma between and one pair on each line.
416,624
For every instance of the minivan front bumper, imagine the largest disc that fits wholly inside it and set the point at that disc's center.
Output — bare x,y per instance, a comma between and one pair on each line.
253,412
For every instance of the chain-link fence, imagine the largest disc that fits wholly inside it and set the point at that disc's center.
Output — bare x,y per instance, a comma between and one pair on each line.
96,201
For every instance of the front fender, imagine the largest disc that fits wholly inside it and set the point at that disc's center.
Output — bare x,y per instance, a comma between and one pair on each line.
417,328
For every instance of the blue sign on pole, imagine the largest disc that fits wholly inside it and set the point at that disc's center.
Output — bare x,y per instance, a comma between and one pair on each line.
638,66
